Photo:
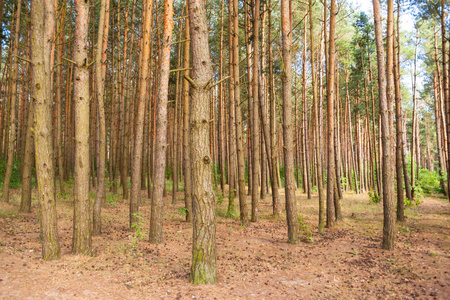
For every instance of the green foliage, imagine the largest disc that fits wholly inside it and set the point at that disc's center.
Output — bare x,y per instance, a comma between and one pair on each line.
219,195
374,197
15,174
304,228
283,180
429,181
183,211
409,203
112,199
138,230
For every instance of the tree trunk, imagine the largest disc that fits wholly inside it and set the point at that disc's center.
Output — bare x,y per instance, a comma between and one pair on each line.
45,171
331,167
82,240
291,203
12,106
203,268
139,137
156,220
386,97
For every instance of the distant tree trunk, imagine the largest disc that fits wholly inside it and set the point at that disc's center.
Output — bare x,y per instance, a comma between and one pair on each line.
243,209
305,115
82,240
317,140
446,92
186,152
12,106
156,220
139,137
25,201
331,167
100,72
203,268
288,134
273,142
255,115
414,129
386,97
41,95
399,131
232,122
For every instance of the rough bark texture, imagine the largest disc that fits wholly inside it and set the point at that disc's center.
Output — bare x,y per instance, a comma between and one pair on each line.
44,157
288,132
139,132
82,239
25,201
385,98
156,219
203,268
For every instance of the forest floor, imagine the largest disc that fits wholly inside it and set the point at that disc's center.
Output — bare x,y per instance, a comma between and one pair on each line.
345,262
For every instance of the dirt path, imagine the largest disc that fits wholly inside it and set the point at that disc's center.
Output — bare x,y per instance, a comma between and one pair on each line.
253,263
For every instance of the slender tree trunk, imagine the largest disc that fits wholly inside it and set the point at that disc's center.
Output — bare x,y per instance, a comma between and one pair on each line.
139,137
100,72
156,220
203,268
12,105
386,97
186,152
291,203
446,92
331,167
399,131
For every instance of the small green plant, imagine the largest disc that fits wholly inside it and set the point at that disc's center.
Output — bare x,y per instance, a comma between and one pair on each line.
314,189
310,239
374,197
219,195
112,199
391,260
409,203
354,252
138,231
406,229
183,211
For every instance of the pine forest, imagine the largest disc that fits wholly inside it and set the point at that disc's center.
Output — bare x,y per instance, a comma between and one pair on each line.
224,149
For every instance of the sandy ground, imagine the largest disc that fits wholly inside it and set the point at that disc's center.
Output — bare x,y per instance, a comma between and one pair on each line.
345,262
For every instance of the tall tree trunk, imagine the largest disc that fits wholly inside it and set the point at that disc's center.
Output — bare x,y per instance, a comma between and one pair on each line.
288,134
41,95
446,92
255,116
399,131
139,134
203,268
386,97
331,167
12,106
186,152
273,142
82,240
156,220
100,73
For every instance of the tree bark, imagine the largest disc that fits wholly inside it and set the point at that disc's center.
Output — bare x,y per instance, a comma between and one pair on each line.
386,97
82,240
42,98
203,268
156,220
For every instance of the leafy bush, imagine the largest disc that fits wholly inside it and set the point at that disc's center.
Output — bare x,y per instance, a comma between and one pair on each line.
374,197
15,174
429,181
